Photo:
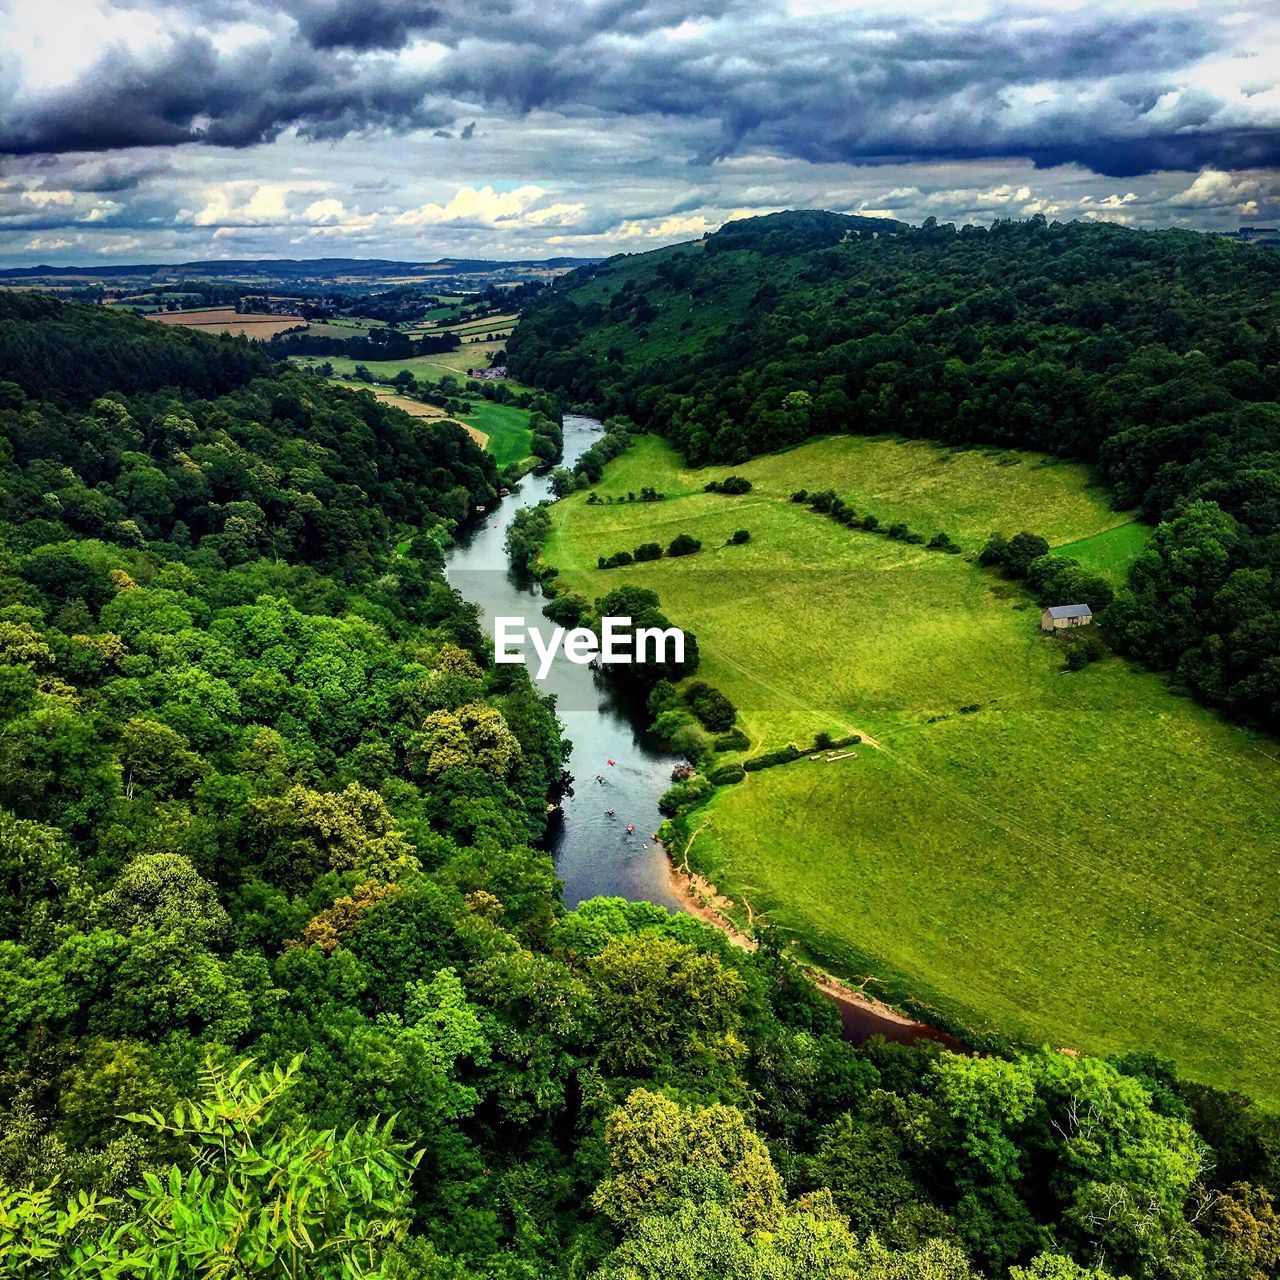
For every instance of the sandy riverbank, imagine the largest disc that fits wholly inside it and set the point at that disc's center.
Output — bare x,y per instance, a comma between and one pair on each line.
861,1015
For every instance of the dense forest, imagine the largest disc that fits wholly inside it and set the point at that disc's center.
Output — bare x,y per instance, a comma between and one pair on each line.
287,988
1154,356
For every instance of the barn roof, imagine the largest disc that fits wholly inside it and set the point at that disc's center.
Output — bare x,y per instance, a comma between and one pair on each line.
1070,611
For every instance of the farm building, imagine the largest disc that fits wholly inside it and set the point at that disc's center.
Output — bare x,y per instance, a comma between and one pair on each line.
1059,616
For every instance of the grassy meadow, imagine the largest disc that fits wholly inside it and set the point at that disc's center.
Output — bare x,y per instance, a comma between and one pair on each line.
429,368
1080,859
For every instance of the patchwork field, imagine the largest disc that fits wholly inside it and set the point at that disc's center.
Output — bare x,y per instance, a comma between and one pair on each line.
228,320
1083,859
470,355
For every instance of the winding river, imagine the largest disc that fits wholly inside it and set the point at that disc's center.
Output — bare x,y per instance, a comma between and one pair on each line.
593,851
595,854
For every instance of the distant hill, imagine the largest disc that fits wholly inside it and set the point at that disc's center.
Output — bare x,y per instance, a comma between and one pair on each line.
290,268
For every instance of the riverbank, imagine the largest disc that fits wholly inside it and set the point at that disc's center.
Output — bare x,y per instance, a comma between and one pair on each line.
861,1016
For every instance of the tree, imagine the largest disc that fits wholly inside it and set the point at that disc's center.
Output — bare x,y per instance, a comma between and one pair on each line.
660,1152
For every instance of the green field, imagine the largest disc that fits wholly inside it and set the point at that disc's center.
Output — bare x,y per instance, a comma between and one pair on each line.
470,355
507,428
1081,859
1110,553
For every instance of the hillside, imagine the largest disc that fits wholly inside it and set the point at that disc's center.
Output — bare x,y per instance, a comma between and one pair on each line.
1072,857
1152,356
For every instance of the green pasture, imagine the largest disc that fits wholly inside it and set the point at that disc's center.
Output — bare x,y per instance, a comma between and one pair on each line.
1085,859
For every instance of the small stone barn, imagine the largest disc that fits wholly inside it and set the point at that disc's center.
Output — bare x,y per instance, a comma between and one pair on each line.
1060,616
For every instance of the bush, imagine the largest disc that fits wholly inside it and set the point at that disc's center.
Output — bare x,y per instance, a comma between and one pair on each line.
566,610
870,523
730,485
711,706
1013,557
616,561
684,795
943,542
648,551
1058,580
734,740
691,740
728,774
662,696
898,531
683,544
784,755
1082,648
800,495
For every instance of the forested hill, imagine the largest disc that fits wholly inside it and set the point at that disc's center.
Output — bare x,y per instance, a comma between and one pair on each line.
68,352
1153,355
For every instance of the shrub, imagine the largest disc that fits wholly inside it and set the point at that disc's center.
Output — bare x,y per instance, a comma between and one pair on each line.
662,696
711,706
870,523
739,537
691,740
800,495
615,561
943,542
898,531
684,795
823,501
730,485
784,755
683,544
648,551
734,740
566,610
728,774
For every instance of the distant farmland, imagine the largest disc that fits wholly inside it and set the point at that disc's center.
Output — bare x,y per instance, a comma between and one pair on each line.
228,320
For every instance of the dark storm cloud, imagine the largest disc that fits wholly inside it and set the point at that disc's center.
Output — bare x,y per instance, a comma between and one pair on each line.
360,24
1057,88
194,94
106,176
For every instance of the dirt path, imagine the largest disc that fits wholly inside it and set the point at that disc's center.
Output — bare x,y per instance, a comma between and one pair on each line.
861,1015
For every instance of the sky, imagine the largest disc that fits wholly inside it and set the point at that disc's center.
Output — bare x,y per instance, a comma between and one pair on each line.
172,130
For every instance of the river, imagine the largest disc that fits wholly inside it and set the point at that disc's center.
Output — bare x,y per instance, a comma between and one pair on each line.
594,853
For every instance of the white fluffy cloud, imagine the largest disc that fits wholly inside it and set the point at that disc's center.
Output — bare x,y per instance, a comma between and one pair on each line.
486,207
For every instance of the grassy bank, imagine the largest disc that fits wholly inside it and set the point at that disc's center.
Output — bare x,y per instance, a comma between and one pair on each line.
1084,859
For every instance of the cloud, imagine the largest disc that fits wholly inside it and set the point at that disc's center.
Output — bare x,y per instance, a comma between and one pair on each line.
43,198
191,92
1122,89
47,244
485,207
1214,189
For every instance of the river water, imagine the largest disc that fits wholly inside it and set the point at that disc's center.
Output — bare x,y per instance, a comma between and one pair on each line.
594,853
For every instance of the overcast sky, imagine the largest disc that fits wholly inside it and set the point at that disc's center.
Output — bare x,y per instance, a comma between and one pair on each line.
164,130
